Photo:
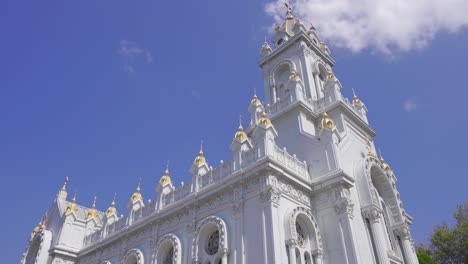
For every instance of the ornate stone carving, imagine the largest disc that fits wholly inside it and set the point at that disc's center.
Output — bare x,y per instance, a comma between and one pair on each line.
402,231
307,213
221,227
175,243
344,206
372,213
270,195
133,252
237,207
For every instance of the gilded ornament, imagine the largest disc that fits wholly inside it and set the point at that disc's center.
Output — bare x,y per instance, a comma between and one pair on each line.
63,190
136,196
240,134
72,207
200,159
40,226
264,120
327,121
370,153
255,101
92,212
294,76
330,75
166,179
111,210
356,100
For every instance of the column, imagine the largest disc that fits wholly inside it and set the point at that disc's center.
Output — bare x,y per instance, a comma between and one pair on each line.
318,256
374,216
408,252
344,210
317,86
292,251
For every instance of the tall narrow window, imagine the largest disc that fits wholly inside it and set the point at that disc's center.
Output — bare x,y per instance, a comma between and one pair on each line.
169,256
213,243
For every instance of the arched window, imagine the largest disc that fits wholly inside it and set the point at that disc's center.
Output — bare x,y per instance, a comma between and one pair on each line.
133,256
305,243
167,250
212,245
132,259
169,258
210,241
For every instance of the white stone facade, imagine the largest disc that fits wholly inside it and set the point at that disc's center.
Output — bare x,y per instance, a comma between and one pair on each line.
303,186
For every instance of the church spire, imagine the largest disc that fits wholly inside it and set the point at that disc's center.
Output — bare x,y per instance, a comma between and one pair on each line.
112,210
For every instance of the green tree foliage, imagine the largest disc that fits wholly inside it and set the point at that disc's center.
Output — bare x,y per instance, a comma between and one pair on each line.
449,245
424,255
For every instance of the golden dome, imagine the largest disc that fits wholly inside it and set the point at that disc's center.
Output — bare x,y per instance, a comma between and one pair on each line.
165,179
63,190
71,207
136,196
240,134
264,120
111,210
200,159
255,100
330,75
327,121
92,212
356,100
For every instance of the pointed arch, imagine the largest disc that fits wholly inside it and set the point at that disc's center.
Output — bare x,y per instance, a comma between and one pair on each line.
167,245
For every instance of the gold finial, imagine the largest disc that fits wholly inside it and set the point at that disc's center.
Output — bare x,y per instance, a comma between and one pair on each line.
40,226
327,121
294,76
264,120
166,179
370,153
330,75
200,159
92,212
356,100
240,134
72,207
255,100
112,210
385,165
136,196
63,190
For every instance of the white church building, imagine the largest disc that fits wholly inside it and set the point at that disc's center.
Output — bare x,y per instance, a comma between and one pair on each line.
304,186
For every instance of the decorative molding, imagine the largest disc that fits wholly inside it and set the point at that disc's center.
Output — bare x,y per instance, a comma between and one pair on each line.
175,243
372,213
307,213
134,252
220,225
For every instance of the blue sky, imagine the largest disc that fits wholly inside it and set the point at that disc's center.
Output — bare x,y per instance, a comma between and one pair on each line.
107,91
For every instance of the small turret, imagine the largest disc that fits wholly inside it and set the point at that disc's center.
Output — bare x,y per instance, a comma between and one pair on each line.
72,207
92,212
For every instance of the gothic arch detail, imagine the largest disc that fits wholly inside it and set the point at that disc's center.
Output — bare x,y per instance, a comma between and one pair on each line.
163,246
216,223
136,253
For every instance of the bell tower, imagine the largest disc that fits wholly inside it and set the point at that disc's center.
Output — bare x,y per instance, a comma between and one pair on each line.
302,93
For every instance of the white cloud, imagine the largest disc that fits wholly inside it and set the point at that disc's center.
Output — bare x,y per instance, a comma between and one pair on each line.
130,53
409,105
385,26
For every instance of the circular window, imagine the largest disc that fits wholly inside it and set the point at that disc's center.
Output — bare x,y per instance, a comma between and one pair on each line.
300,235
213,243
169,256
